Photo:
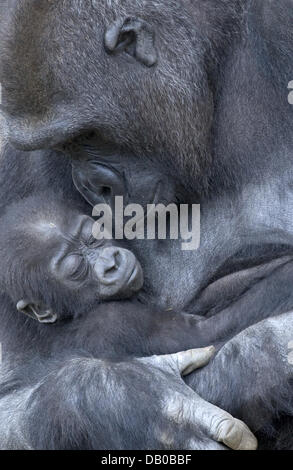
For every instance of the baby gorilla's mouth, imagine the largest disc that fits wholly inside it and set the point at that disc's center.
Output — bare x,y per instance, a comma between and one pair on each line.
135,275
132,275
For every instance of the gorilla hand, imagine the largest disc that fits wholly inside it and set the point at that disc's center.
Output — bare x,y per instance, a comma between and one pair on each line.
171,415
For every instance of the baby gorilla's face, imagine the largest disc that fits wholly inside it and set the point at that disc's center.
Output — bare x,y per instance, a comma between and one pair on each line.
80,262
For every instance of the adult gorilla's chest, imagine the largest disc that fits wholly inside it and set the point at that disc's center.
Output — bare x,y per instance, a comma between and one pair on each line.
245,238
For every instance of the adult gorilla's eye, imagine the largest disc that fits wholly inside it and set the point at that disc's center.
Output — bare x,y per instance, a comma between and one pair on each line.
74,145
86,137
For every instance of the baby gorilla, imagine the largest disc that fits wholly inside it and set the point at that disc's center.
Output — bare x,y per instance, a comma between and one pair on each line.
54,266
54,269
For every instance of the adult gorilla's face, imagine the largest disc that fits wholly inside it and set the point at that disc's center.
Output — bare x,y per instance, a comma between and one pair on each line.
101,172
138,74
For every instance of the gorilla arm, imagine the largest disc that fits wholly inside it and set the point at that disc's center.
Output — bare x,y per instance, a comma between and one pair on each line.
257,301
142,404
141,330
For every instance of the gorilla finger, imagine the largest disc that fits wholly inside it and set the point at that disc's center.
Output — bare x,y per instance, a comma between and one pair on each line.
236,435
215,423
188,361
183,362
222,427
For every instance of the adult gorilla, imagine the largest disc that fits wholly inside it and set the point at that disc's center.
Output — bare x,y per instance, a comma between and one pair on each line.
193,94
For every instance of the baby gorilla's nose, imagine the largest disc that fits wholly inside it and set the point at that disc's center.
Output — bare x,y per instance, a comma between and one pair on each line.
119,273
111,259
108,264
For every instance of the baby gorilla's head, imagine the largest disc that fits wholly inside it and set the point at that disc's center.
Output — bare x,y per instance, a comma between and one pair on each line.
52,265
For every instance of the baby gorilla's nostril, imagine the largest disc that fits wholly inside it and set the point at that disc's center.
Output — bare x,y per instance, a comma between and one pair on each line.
117,256
110,270
112,262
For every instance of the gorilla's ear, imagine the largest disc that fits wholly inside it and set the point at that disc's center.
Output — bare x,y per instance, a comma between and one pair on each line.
36,312
134,36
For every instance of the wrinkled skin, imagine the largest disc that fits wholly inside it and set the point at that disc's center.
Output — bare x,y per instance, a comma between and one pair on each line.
211,117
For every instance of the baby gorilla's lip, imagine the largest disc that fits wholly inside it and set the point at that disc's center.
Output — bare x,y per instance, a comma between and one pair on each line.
133,274
135,280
